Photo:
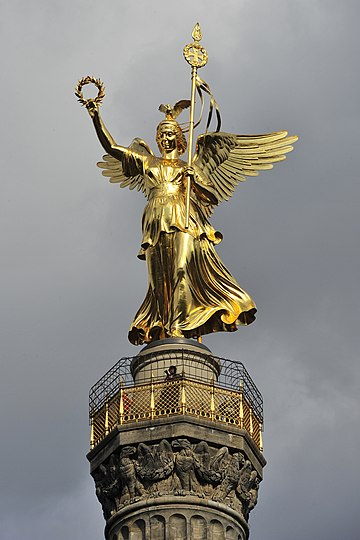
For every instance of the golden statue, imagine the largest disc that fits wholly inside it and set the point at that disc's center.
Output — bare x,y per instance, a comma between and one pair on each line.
190,291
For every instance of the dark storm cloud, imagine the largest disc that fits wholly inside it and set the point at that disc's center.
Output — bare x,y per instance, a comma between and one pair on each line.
71,281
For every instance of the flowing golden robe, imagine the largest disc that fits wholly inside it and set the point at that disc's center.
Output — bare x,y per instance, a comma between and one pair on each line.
190,291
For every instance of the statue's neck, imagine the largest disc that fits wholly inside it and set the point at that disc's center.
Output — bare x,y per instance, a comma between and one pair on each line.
173,155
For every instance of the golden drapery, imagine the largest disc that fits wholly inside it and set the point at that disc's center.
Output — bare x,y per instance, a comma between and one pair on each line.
190,291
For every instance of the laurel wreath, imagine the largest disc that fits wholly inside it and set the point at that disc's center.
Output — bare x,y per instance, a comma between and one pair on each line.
88,80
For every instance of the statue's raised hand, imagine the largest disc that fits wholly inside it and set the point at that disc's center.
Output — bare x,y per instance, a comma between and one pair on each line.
91,107
91,104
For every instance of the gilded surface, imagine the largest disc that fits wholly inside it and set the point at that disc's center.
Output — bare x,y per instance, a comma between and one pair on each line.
190,291
139,403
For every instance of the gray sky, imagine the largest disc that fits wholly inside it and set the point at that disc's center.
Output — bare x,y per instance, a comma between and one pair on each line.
70,279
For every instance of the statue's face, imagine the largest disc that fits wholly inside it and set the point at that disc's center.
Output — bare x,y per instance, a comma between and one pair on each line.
166,138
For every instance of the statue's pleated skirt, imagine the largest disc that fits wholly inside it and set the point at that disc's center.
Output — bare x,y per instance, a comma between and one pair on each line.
190,293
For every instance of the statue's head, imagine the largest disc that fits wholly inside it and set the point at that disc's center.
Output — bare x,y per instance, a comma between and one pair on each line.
169,136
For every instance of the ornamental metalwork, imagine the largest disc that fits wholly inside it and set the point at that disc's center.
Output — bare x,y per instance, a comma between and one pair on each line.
232,399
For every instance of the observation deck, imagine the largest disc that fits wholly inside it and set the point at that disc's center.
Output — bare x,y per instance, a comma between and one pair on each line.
174,380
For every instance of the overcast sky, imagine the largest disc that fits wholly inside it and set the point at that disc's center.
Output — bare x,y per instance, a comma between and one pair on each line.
70,279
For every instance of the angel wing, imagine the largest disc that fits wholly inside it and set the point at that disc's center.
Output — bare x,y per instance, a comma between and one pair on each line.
227,159
127,172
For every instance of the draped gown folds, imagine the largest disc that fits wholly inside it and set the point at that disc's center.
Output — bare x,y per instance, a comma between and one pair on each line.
190,291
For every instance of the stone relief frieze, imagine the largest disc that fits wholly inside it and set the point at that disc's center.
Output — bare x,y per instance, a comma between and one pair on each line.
177,468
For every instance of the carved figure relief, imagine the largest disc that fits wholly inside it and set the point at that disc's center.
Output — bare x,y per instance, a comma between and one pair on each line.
177,468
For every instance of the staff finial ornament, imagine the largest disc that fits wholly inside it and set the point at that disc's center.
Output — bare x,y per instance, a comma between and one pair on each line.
194,53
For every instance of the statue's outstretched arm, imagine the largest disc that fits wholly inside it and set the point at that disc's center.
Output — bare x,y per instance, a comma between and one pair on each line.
105,138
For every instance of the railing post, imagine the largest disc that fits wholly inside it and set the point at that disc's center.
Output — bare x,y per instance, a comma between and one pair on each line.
241,411
152,397
212,400
106,418
183,396
121,401
92,438
251,422
260,438
121,406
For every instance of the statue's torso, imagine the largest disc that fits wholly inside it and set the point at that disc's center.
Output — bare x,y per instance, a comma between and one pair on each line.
165,178
165,211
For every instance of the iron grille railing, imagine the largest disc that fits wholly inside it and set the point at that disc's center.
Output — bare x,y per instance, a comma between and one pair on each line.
205,386
233,376
138,403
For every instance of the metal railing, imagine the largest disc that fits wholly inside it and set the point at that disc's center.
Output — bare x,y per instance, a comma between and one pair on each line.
232,375
233,399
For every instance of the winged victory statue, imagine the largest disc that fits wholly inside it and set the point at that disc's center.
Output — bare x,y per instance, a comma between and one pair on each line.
190,291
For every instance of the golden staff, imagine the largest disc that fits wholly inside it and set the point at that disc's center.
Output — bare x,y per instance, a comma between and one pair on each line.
197,57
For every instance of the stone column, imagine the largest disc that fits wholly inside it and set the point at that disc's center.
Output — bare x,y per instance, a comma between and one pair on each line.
181,473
